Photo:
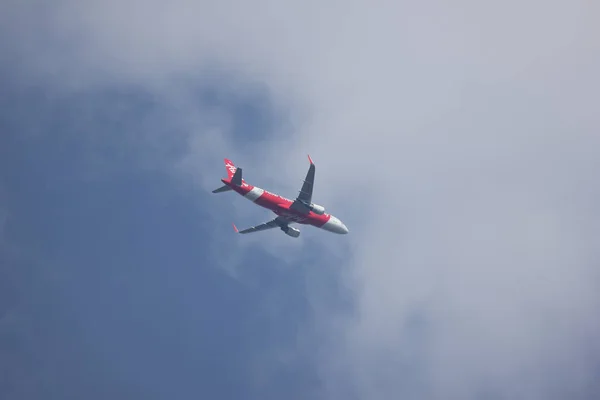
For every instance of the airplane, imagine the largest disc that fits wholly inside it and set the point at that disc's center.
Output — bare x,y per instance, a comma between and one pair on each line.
301,210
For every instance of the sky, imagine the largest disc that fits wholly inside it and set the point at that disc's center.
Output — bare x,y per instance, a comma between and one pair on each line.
458,142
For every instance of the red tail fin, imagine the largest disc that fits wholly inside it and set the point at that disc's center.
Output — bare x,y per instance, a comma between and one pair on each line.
230,167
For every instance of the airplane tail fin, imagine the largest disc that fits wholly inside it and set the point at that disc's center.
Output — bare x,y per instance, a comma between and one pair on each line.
230,167
234,176
233,173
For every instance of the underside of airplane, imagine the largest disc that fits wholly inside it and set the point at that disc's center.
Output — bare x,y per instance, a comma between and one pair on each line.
301,210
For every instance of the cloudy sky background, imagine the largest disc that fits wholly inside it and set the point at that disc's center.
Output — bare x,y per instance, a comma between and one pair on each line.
459,143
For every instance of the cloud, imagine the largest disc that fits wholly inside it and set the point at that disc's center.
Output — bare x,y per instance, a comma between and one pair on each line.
3,218
458,142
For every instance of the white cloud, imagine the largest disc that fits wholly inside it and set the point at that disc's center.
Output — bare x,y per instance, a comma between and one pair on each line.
458,141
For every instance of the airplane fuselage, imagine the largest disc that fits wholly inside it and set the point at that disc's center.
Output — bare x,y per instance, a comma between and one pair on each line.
281,206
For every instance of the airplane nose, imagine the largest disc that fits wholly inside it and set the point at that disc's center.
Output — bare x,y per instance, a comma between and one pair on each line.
344,229
335,225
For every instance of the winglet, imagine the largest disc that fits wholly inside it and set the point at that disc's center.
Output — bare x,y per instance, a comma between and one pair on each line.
235,228
310,159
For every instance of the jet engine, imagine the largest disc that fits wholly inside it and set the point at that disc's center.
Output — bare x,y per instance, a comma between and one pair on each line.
317,209
293,232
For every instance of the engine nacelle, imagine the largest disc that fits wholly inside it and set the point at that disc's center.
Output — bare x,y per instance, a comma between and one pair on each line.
317,209
293,232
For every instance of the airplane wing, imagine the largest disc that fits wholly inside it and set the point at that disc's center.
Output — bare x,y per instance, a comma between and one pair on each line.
304,198
275,223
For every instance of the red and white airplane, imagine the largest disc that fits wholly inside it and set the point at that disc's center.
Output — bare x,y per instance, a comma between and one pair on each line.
301,211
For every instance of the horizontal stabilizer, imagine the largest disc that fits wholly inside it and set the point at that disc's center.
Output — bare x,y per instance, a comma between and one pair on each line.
222,189
237,177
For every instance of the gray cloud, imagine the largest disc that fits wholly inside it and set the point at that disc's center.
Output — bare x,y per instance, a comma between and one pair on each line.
458,141
3,217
